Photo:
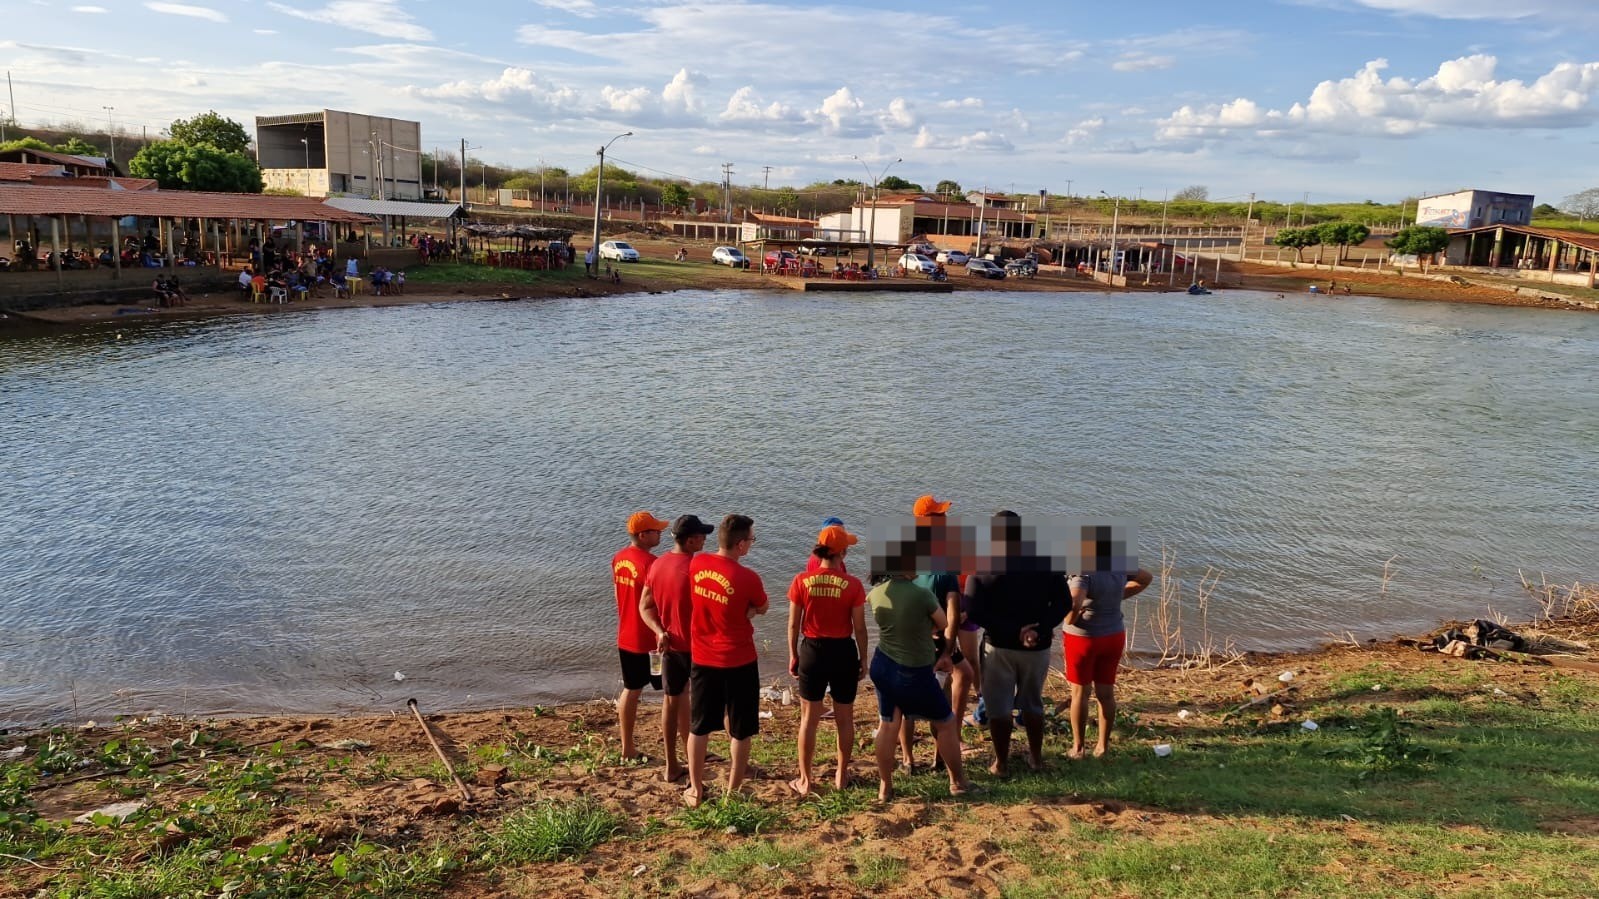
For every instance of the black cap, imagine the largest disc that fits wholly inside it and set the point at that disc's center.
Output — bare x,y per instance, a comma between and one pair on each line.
690,526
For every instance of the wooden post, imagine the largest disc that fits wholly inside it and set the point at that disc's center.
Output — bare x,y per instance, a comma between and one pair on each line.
1554,257
116,248
1499,243
55,246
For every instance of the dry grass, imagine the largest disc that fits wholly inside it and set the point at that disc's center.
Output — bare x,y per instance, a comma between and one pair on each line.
1574,603
1176,610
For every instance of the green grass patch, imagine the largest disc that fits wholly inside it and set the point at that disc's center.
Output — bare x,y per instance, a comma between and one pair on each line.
876,869
754,863
553,830
732,812
454,273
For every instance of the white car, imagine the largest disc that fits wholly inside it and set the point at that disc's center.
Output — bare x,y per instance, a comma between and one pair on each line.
952,257
619,251
917,263
731,256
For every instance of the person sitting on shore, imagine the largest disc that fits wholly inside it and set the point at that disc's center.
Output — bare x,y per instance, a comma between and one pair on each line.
341,286
162,294
827,650
246,279
175,293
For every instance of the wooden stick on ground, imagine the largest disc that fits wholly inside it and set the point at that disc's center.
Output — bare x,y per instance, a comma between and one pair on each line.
465,793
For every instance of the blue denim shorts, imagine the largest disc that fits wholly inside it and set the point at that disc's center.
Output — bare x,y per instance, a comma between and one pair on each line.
914,692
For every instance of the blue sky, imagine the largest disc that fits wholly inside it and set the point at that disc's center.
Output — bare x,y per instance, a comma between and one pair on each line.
1343,99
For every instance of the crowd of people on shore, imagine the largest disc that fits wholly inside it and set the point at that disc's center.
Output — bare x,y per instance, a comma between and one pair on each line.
685,626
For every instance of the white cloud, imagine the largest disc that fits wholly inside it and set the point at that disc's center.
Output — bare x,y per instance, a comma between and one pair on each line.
515,86
901,114
629,101
1464,92
681,94
265,31
963,103
747,106
581,8
381,17
184,9
706,150
843,112
1084,131
979,141
1487,10
90,10
1138,62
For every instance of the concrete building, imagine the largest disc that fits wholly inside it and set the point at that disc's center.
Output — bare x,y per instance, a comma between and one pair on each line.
341,154
1474,209
900,217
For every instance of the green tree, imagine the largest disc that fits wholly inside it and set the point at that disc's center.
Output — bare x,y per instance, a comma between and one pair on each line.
1297,239
947,188
1420,241
1342,235
213,129
674,195
1193,192
181,166
787,200
895,182
77,146
1546,211
619,182
26,143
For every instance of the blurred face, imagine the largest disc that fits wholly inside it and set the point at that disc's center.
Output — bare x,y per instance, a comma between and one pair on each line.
693,543
649,539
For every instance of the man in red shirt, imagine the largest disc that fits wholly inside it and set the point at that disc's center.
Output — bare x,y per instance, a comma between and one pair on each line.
667,607
634,640
828,608
725,681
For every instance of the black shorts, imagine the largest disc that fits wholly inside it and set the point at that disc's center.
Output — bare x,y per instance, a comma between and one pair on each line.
730,694
829,664
675,670
636,671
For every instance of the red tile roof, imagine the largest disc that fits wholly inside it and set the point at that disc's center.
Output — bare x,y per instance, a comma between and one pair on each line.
20,199
23,171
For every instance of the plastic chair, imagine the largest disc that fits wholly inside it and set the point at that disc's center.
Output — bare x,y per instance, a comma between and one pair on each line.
279,294
257,295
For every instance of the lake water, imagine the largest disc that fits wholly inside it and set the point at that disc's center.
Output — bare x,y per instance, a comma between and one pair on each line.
277,513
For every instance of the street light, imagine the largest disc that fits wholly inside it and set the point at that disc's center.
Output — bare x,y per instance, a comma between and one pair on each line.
109,132
871,233
599,180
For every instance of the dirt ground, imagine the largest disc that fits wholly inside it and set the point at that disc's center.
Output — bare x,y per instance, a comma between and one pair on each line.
952,850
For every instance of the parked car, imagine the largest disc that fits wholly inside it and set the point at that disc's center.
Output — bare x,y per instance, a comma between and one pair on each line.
1021,268
982,268
779,258
618,251
815,249
732,256
922,249
952,257
917,263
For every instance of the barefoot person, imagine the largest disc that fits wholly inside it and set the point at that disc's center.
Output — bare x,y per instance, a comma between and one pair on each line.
1096,634
903,673
931,528
1019,603
725,681
827,650
666,606
634,641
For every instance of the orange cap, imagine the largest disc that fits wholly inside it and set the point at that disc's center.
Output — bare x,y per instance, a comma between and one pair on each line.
836,539
926,505
639,522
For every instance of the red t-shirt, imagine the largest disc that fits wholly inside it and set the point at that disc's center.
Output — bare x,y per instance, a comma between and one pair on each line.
674,602
813,563
724,591
628,568
829,600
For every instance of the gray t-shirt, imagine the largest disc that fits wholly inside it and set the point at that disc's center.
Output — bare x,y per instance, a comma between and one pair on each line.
1102,613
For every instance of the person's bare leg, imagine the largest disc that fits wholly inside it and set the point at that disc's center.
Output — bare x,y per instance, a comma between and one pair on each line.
741,764
947,735
627,715
673,721
1106,694
960,686
999,730
810,719
695,794
887,742
844,720
1034,723
1079,716
907,739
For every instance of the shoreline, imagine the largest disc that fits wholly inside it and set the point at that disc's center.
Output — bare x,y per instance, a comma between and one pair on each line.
290,799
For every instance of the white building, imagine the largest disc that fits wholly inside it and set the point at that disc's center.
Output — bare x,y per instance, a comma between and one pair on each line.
1474,209
341,154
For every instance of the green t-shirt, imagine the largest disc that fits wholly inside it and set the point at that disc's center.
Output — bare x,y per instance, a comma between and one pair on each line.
904,615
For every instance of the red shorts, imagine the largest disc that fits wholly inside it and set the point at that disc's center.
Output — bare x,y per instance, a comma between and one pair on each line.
1093,660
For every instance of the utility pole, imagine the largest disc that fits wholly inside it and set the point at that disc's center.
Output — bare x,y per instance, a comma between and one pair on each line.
727,192
109,133
464,205
766,177
1243,242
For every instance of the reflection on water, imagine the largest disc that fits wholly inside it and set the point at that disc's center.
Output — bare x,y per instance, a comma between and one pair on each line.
277,513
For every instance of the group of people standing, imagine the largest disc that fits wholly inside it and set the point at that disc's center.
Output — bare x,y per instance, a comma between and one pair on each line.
685,625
